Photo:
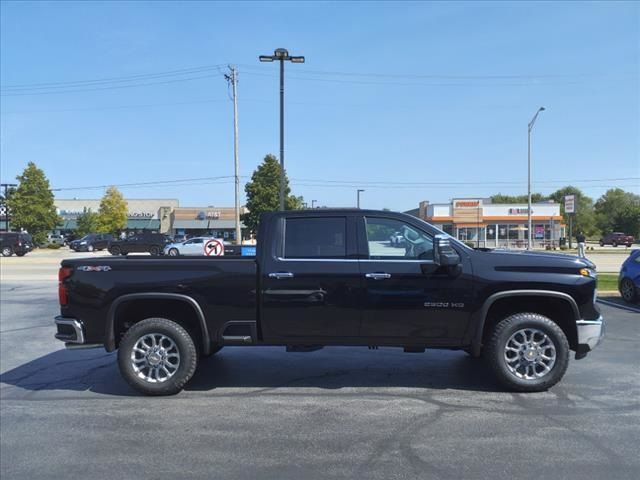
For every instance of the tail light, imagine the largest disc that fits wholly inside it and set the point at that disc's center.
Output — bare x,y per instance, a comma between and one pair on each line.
63,274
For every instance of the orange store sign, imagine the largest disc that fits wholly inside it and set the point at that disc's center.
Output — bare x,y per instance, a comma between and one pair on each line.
466,203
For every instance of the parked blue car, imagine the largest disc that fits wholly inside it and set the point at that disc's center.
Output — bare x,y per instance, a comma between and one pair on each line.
629,279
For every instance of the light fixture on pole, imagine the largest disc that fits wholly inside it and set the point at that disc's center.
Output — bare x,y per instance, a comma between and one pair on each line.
359,190
281,55
313,203
531,124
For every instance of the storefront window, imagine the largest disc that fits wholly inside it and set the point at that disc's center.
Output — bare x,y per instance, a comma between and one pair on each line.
448,228
502,232
491,232
513,232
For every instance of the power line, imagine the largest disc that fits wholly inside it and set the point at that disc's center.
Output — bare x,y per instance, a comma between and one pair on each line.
358,183
451,76
112,87
120,79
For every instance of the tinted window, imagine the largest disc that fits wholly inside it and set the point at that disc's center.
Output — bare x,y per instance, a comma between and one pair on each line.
315,237
385,243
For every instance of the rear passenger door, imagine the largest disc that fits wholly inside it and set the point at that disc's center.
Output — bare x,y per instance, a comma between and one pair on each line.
310,279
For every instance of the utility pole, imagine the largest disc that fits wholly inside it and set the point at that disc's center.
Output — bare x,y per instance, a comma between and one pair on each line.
531,124
232,78
313,203
359,190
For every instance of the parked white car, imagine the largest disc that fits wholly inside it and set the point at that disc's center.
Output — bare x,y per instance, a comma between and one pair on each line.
193,246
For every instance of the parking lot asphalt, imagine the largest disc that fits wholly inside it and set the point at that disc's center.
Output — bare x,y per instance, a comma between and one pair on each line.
334,413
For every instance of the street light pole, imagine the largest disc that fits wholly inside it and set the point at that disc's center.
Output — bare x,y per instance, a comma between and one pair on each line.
359,190
281,55
531,124
313,203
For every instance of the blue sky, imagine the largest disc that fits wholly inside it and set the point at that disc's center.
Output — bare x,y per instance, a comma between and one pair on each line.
395,98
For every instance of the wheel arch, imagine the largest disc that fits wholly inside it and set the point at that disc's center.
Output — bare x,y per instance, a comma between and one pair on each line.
151,298
561,309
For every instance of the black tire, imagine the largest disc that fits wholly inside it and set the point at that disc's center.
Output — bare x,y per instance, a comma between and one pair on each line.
173,252
601,243
185,347
154,251
628,290
7,251
496,347
614,244
115,250
21,254
90,248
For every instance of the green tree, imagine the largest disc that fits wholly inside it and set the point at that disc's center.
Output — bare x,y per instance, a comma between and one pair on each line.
87,222
112,215
32,205
263,193
535,198
618,211
584,217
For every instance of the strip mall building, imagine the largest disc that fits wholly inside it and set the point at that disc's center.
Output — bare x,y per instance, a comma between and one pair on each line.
487,224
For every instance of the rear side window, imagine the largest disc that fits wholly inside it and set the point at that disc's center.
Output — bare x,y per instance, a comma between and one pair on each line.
315,237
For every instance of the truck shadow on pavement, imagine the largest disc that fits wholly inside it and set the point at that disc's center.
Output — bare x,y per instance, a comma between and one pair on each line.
263,368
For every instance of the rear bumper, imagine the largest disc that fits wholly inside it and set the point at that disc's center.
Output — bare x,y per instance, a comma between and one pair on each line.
590,334
69,330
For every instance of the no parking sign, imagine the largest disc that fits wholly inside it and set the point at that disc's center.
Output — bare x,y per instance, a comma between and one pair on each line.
214,248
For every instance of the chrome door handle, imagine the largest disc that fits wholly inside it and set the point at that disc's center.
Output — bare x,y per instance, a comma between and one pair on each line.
280,275
378,276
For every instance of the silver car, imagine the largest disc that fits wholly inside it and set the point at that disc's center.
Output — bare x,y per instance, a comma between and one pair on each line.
193,246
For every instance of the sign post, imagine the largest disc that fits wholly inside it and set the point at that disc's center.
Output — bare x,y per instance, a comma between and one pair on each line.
570,209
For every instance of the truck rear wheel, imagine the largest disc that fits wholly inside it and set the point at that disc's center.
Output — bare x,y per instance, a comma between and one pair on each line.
528,352
157,357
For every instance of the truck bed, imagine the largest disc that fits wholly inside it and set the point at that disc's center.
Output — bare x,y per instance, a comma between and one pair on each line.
223,287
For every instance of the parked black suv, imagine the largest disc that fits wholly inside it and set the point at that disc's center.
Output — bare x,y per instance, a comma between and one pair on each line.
91,242
146,242
15,242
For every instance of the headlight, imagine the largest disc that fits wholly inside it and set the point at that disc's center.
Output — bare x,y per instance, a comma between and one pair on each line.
83,243
587,272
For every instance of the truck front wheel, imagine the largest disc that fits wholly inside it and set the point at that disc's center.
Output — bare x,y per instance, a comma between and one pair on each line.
528,352
157,357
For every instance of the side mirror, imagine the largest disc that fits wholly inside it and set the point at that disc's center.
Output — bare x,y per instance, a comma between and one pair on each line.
444,254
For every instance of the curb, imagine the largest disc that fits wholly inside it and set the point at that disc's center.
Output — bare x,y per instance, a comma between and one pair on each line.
618,305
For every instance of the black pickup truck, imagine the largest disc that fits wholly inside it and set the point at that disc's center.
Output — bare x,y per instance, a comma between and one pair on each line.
333,277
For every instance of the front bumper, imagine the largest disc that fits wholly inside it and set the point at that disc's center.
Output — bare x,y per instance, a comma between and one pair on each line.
590,333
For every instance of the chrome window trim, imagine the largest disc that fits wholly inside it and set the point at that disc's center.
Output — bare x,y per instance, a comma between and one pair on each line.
280,259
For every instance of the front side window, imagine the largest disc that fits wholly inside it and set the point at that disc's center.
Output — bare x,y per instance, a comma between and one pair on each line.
390,239
323,237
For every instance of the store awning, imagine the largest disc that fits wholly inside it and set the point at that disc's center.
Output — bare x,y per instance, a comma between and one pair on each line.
206,224
143,224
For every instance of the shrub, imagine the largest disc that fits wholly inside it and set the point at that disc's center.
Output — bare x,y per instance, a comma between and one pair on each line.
54,246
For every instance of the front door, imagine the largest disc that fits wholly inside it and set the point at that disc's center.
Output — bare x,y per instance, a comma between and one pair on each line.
406,295
311,280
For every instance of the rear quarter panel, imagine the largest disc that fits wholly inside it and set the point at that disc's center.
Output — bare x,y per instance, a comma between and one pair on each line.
224,288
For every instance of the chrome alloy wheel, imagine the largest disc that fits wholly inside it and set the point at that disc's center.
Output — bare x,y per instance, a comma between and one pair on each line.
155,358
530,354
